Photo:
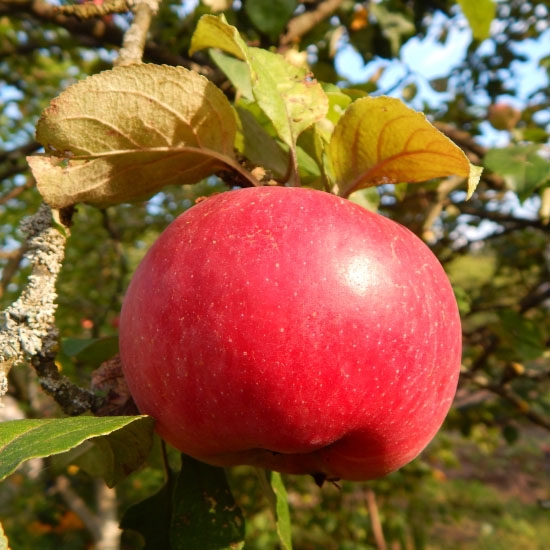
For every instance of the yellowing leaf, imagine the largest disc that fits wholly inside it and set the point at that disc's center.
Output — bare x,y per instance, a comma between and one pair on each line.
215,32
480,14
380,140
123,134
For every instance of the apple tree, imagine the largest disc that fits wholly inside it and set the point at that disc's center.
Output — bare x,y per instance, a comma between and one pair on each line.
120,116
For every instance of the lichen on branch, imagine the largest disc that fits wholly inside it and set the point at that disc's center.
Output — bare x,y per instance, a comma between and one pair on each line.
27,327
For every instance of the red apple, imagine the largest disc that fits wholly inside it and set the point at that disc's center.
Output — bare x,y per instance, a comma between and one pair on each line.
293,330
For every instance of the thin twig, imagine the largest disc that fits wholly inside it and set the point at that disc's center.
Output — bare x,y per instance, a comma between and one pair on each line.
135,37
90,10
505,392
375,522
16,191
303,23
10,268
77,505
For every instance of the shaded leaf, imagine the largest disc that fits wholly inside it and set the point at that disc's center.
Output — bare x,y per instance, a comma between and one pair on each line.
236,70
204,512
124,451
524,170
269,16
122,135
113,457
21,440
92,351
380,140
258,146
151,517
522,338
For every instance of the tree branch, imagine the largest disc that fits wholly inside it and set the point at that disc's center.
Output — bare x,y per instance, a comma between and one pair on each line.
27,327
505,392
90,10
96,33
135,37
18,190
77,505
303,23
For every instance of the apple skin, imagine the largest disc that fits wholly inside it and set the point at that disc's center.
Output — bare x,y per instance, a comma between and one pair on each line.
291,329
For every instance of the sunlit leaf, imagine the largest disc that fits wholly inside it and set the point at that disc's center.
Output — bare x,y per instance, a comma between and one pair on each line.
124,134
368,198
4,545
480,14
215,32
21,440
287,94
381,140
282,512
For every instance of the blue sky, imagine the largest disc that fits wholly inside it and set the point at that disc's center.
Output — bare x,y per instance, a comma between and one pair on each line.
426,59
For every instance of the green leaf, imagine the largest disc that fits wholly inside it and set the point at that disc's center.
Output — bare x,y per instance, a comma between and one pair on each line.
92,351
257,145
480,14
284,526
381,140
204,514
270,16
523,168
21,440
521,337
215,32
236,70
113,456
287,94
124,134
275,492
368,198
151,517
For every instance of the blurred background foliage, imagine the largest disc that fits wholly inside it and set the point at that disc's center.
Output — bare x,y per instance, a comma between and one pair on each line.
483,483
